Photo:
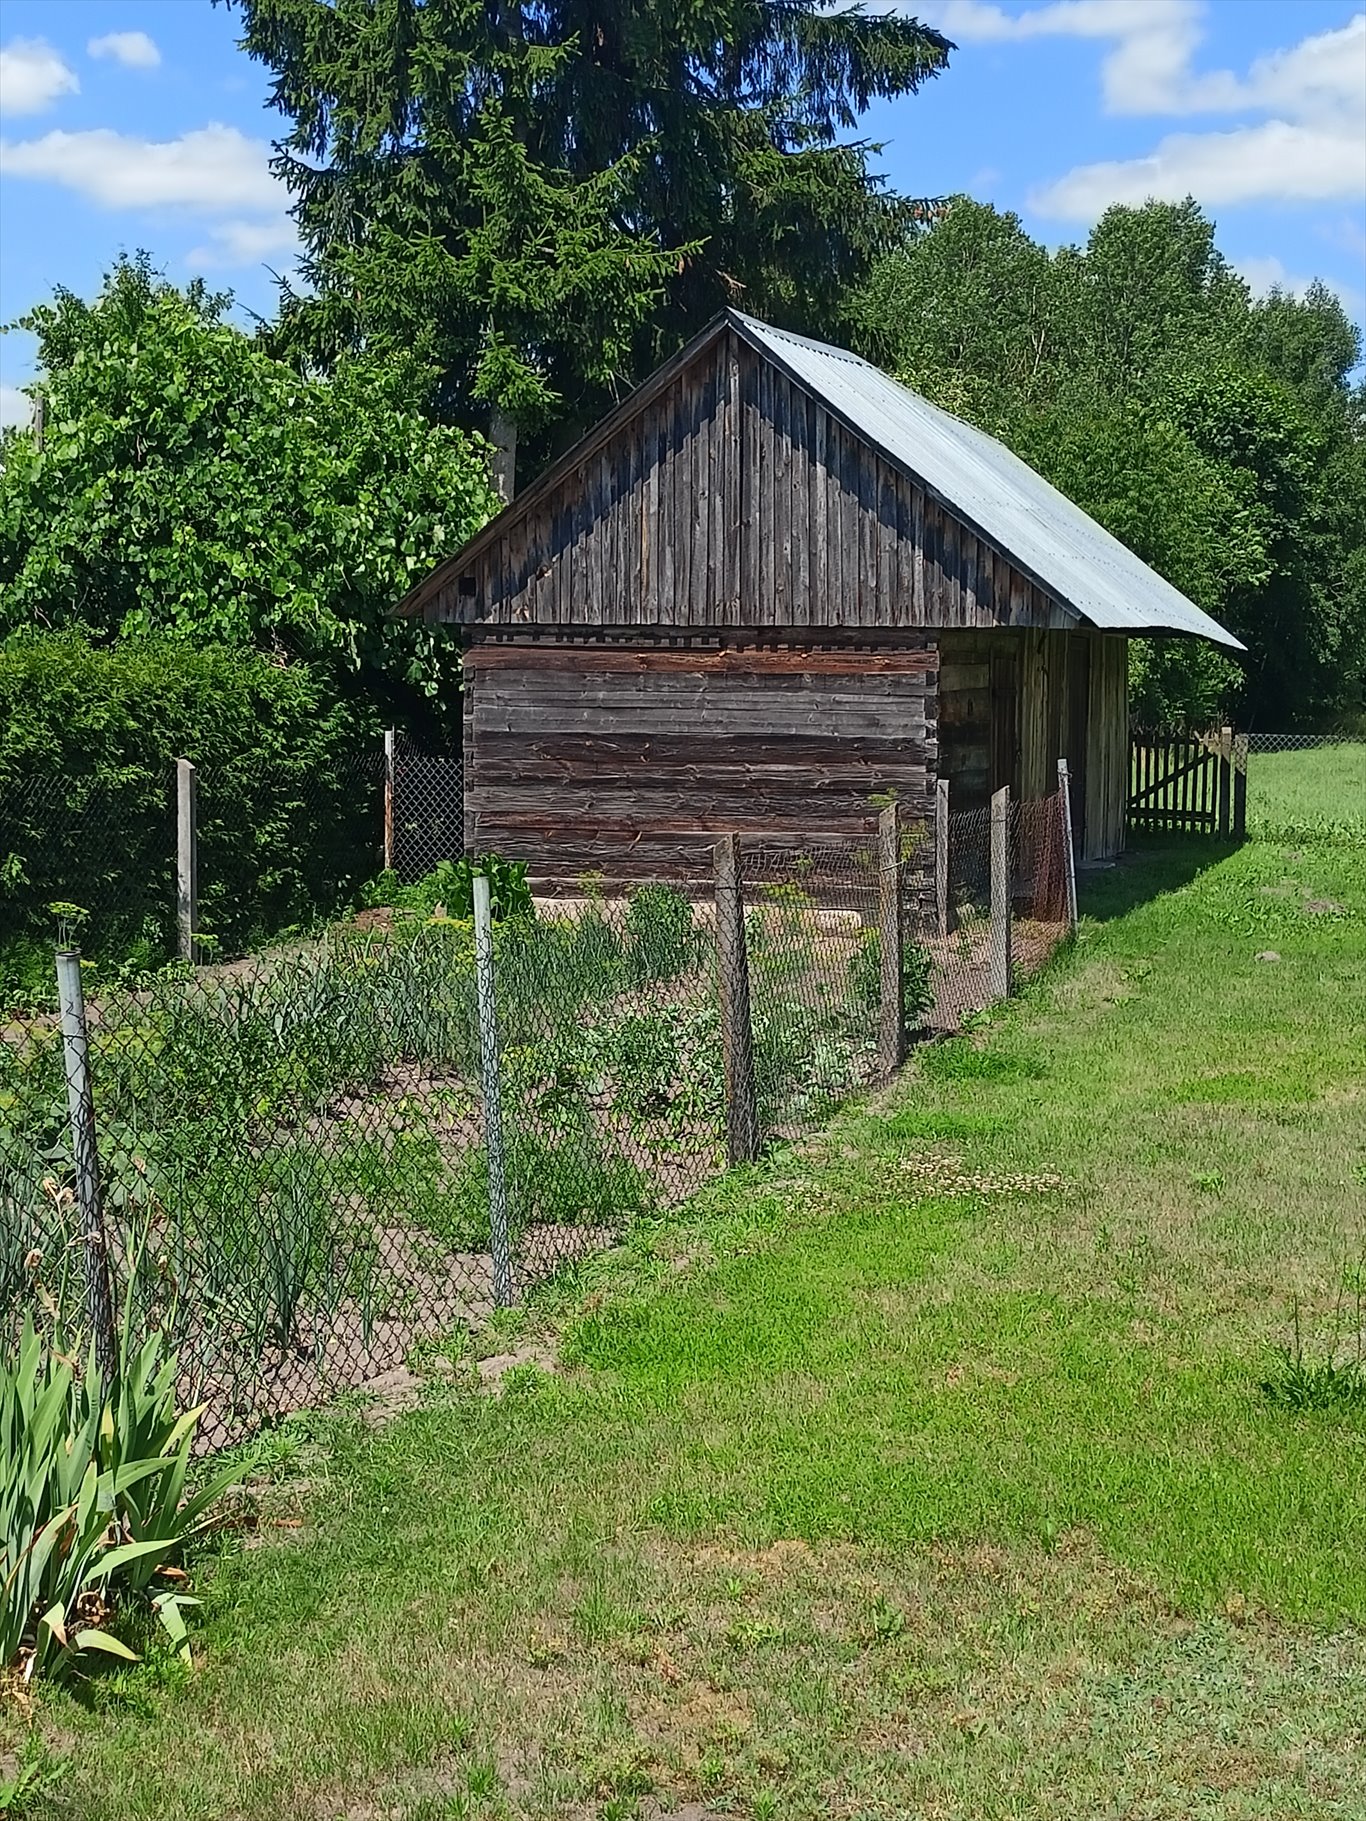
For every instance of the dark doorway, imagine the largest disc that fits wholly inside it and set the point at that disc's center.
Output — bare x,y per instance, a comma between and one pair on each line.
1005,721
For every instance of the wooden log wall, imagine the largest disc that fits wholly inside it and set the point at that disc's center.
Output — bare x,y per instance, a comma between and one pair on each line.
732,499
629,760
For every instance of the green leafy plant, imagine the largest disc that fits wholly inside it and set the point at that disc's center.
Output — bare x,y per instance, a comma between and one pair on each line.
661,940
449,889
93,1500
917,977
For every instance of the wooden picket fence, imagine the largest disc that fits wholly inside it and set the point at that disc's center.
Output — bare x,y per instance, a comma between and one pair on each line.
1190,783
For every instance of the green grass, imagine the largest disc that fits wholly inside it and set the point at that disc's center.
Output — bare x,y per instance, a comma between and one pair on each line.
926,1470
1321,788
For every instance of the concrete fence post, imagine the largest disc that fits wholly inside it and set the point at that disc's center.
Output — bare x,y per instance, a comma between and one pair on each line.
80,1100
1225,799
187,859
737,1036
943,907
1001,888
892,1021
490,1077
389,799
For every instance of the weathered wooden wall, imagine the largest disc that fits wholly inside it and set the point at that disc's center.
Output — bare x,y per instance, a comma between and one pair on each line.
1070,692
630,759
1107,746
732,499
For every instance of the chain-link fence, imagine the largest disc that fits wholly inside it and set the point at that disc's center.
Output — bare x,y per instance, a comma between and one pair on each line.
261,856
424,813
307,1162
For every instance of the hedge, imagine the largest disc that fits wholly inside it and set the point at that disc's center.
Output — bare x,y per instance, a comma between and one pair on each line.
288,786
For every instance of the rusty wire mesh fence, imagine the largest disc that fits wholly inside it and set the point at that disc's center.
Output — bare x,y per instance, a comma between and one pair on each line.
303,1176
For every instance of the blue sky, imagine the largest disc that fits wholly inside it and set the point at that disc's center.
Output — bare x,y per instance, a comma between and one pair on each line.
138,123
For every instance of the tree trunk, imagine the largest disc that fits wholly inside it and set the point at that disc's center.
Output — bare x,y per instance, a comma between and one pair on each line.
503,436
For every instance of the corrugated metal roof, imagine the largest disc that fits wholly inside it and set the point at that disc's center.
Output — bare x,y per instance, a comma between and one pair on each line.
1014,508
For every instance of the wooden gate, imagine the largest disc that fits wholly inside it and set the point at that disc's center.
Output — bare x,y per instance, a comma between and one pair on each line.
1192,783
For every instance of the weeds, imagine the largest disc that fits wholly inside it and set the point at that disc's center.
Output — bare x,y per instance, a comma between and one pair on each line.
1334,1378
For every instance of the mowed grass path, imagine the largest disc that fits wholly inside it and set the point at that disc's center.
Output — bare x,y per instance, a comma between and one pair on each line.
925,1473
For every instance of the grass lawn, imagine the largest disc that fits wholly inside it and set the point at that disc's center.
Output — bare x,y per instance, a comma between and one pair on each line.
925,1472
1323,785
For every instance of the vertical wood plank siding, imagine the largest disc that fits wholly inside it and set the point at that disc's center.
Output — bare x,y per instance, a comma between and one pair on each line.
1107,747
630,760
736,500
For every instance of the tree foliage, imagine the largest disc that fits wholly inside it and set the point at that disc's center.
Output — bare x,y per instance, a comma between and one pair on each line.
190,485
545,200
88,740
1219,436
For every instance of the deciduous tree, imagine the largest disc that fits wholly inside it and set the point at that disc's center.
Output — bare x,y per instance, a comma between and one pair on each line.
190,484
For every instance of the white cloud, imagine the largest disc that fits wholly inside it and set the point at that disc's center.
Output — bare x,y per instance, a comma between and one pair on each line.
215,169
1267,273
1274,160
246,243
1301,138
15,406
1148,70
32,76
134,50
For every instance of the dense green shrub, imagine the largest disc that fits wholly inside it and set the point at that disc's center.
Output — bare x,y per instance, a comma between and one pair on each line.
190,485
288,815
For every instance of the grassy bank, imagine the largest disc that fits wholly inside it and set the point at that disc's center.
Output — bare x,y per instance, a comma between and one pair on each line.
927,1471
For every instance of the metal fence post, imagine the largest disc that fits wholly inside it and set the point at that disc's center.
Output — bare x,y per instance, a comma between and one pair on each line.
1000,893
187,858
942,906
388,799
1069,853
892,1031
80,1100
493,1106
737,1037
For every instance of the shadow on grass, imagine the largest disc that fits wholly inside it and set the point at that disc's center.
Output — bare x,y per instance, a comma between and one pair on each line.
1145,872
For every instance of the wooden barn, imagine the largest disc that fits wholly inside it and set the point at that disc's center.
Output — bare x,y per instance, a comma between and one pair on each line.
771,587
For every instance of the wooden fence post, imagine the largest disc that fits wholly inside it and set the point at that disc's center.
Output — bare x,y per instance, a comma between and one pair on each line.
1000,894
187,858
1225,822
942,907
388,800
892,1026
1240,787
1069,852
489,1070
737,1038
80,1100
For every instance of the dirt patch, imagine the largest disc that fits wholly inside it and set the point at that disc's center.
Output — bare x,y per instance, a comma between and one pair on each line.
493,1372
